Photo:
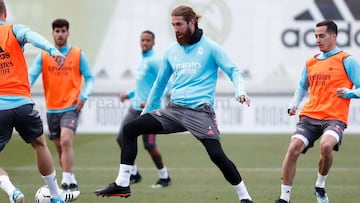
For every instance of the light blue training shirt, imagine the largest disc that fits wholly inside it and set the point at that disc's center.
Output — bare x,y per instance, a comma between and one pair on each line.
146,73
194,71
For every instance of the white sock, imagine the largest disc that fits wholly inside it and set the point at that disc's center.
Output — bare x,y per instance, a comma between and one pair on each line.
134,170
6,184
163,173
285,192
66,176
320,181
242,191
52,184
123,178
72,178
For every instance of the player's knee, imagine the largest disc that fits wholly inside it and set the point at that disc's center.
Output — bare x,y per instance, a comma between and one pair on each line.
149,147
216,156
39,142
65,142
326,148
130,128
214,150
295,149
119,141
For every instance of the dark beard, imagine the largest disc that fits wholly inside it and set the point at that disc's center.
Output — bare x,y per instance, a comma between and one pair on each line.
185,38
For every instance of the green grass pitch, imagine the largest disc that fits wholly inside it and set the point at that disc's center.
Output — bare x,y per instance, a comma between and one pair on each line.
194,178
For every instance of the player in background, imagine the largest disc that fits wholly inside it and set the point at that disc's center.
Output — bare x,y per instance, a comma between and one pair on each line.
328,78
193,63
16,106
146,73
64,95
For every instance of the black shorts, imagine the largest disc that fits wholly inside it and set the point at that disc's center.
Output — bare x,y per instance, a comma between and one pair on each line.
26,121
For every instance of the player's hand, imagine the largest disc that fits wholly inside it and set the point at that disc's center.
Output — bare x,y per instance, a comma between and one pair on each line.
123,97
244,99
60,59
143,105
79,105
340,92
292,111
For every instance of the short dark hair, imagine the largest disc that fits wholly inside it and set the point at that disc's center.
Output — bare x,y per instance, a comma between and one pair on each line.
60,22
149,32
331,27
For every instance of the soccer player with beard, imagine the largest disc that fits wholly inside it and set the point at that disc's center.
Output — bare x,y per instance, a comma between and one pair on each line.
193,63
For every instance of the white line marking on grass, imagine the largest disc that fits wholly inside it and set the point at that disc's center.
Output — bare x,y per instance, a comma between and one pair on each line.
96,168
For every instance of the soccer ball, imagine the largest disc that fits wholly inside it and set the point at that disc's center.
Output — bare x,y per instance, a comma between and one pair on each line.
42,195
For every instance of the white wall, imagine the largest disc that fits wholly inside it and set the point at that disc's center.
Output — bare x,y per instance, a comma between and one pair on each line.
263,37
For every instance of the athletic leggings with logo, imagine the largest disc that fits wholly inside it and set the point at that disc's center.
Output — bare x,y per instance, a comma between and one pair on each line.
147,124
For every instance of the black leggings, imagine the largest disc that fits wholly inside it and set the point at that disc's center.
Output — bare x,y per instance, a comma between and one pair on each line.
147,124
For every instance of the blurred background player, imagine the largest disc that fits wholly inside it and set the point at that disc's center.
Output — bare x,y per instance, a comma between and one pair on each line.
64,100
16,106
146,73
329,77
193,63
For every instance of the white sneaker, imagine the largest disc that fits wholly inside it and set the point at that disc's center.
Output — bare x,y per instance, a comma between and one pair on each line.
16,196
69,196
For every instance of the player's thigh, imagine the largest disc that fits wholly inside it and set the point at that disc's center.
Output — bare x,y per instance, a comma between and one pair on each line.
69,120
309,130
131,115
6,126
334,129
53,121
28,123
201,122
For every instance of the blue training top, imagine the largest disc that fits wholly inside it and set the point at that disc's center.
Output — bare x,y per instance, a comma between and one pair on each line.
146,73
194,72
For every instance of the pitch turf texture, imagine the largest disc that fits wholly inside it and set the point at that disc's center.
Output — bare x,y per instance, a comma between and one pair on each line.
194,178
